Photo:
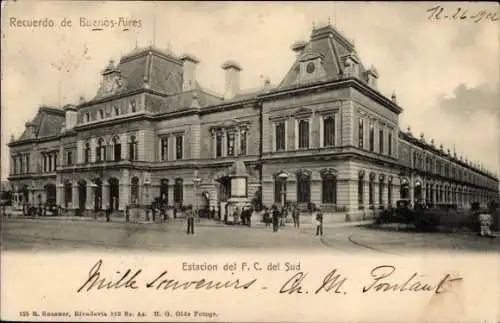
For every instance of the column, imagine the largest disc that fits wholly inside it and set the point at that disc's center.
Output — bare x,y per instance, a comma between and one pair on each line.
366,192
105,195
75,196
385,195
411,189
90,196
59,194
375,194
214,143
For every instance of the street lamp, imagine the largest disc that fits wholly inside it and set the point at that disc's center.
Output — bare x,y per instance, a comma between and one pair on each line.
283,177
196,182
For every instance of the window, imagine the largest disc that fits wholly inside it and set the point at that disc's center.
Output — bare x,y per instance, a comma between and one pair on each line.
116,110
303,134
14,165
86,153
164,191
55,162
179,147
133,106
27,163
101,114
415,159
303,188
134,190
230,143
329,189
179,191
218,144
69,157
361,133
389,191
132,148
361,188
381,140
329,131
45,162
164,148
87,117
100,150
389,144
372,136
280,136
243,141
117,149
21,164
381,193
279,190
371,190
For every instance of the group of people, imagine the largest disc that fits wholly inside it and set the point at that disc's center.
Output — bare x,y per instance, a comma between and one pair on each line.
277,216
243,215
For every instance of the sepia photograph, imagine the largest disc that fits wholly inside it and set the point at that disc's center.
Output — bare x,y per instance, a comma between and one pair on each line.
164,128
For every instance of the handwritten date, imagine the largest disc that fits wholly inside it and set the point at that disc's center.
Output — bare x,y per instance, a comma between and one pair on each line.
439,13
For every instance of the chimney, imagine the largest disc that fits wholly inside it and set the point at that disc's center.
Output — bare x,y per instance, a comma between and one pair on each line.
71,116
232,70
372,74
189,74
298,47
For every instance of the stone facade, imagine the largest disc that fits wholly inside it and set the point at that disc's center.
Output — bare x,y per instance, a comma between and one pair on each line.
325,133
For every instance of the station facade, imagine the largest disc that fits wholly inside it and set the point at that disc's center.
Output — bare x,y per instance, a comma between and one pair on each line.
323,135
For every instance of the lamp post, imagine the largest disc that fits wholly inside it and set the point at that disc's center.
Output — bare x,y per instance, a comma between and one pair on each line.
283,177
147,184
196,182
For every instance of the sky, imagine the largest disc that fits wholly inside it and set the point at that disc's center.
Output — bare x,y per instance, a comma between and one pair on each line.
445,73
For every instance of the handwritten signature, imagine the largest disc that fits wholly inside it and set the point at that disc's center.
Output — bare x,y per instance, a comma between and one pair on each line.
463,14
380,280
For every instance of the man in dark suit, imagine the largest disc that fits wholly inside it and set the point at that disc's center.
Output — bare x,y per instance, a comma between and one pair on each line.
190,220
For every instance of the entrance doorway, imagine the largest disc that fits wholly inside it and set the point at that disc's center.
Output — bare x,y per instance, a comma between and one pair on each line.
98,194
224,194
114,193
82,195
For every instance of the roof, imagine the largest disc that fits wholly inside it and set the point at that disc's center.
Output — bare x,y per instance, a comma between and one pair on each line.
329,44
48,122
147,67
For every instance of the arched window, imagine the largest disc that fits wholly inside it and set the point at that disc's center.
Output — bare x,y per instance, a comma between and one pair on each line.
164,191
218,144
303,133
86,153
179,191
381,187
87,117
100,150
68,193
371,189
303,187
134,190
101,114
132,148
279,190
371,137
361,187
116,110
328,188
133,106
117,148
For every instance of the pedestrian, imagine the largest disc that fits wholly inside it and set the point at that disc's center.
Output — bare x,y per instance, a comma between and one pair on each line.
127,213
108,212
175,212
276,215
319,221
212,213
296,216
190,220
267,217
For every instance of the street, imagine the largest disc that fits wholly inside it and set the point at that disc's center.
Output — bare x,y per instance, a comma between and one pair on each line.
19,234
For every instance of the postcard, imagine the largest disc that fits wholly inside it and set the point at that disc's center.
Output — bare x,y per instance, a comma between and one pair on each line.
250,161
